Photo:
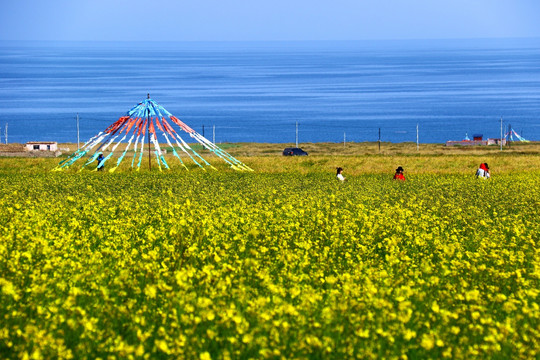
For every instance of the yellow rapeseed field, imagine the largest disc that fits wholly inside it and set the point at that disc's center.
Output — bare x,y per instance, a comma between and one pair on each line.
227,265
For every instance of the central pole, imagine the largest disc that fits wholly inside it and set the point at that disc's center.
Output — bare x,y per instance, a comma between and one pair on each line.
148,128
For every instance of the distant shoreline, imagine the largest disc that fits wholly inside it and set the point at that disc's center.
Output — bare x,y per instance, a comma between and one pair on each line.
249,149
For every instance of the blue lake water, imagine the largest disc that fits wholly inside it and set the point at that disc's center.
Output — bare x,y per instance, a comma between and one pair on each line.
256,92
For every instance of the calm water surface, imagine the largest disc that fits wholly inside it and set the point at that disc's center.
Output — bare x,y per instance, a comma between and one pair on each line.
257,91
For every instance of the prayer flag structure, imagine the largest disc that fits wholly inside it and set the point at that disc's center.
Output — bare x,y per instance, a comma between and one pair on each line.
147,120
512,135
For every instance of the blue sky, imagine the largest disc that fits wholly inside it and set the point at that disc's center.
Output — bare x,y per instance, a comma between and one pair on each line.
244,20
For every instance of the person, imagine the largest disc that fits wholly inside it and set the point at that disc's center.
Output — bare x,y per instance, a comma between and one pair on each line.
399,174
99,160
339,174
483,171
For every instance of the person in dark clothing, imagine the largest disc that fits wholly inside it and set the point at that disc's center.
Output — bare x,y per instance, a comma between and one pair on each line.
99,160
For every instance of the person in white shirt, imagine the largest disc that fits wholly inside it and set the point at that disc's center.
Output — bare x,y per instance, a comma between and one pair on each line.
339,174
483,171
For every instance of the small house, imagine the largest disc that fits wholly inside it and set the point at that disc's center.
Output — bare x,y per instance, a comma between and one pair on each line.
475,142
41,146
496,141
478,137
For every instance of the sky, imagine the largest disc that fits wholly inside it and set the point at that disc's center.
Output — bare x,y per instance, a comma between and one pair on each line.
273,20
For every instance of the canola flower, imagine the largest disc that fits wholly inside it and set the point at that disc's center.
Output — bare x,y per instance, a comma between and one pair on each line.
214,266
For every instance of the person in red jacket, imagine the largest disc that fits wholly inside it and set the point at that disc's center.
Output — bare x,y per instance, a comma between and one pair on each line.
399,174
483,171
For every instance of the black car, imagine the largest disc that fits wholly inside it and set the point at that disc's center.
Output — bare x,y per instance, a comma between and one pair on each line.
294,151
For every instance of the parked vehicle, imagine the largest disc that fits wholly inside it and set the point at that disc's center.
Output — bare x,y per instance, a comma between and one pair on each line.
294,151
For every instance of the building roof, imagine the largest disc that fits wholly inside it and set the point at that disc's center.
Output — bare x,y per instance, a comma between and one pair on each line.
40,142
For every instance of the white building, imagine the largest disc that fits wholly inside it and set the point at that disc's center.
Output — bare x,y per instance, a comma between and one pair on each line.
41,146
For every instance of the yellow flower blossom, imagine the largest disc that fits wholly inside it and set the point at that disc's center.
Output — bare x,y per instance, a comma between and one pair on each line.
224,265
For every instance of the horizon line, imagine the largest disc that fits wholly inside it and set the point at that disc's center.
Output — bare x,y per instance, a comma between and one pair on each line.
288,40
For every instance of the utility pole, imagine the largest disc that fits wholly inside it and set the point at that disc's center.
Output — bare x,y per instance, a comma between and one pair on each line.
214,134
297,134
6,133
501,133
78,132
379,139
203,130
417,146
344,139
